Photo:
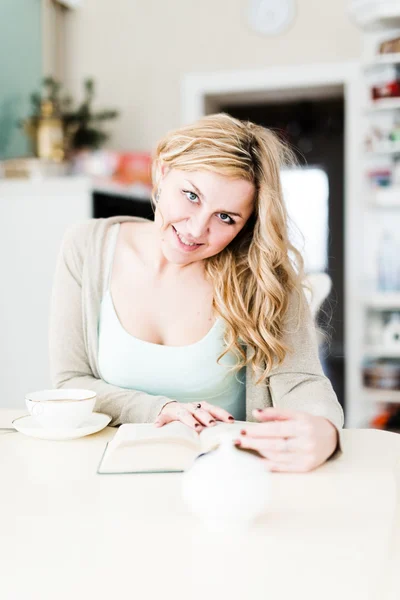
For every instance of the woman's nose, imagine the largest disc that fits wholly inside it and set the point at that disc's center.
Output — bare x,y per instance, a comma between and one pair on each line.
198,226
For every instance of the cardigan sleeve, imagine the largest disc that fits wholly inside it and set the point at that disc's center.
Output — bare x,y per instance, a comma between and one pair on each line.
69,363
299,382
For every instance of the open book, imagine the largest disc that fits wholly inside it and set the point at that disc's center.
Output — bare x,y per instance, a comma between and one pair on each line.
144,448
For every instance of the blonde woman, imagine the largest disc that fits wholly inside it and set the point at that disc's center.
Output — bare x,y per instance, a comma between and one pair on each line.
200,315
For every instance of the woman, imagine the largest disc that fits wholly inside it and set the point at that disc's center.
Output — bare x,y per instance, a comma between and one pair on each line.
199,316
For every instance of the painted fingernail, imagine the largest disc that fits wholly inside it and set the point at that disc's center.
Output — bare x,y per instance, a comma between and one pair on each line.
231,418
259,410
243,432
237,443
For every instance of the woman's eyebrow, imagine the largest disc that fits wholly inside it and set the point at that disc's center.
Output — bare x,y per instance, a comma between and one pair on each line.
228,212
196,188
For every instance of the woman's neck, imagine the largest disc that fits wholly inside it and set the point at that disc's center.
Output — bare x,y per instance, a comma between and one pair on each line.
148,244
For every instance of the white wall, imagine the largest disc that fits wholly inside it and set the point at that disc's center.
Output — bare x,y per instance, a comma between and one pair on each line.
139,50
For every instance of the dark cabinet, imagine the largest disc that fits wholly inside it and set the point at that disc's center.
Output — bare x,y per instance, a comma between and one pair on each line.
111,205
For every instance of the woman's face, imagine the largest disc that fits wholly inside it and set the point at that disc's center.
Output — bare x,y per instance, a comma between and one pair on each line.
200,212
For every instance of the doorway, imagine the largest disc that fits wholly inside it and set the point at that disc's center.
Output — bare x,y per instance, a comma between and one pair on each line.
314,194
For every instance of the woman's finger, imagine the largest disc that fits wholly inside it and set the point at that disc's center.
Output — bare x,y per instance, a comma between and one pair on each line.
273,445
185,417
178,413
278,429
261,446
203,416
218,413
275,414
281,458
161,420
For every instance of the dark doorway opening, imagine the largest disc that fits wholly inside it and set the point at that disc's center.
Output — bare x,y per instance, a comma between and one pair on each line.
315,130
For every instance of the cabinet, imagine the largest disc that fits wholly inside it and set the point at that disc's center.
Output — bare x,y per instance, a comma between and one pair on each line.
33,218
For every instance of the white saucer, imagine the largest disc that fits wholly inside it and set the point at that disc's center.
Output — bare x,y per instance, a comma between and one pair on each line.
28,426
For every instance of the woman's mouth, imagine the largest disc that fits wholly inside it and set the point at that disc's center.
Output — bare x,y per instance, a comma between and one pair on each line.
183,243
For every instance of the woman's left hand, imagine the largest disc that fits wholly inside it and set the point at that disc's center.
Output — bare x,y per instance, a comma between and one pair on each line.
290,441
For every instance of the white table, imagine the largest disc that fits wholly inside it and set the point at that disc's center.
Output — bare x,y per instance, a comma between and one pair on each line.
68,533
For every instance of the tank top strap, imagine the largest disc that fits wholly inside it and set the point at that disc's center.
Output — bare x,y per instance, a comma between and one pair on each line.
109,257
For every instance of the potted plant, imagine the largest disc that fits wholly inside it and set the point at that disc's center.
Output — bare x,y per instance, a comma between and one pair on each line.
84,126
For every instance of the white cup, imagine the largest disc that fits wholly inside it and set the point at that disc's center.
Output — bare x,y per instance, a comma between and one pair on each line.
63,408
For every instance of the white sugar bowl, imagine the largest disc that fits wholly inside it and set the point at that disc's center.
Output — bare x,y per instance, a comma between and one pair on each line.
227,488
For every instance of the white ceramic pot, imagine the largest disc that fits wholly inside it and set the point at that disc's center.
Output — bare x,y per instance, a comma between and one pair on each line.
62,408
227,488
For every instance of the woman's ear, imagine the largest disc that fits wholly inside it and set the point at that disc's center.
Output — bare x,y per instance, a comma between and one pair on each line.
163,170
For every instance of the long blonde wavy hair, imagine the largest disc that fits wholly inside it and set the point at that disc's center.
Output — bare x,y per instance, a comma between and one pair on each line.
255,276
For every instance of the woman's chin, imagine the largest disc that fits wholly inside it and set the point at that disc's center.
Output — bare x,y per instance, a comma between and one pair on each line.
176,257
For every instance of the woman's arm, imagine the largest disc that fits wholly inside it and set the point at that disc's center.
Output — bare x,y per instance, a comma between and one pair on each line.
69,363
299,382
301,431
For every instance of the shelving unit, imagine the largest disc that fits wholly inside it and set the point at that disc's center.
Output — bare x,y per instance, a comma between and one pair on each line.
379,212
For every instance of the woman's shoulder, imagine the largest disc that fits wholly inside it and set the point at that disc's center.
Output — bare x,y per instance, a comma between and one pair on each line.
78,233
92,231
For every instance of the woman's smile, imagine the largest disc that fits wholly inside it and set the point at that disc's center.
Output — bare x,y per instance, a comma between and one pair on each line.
183,243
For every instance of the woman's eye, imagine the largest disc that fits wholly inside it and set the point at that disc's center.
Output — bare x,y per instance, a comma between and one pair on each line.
226,218
191,196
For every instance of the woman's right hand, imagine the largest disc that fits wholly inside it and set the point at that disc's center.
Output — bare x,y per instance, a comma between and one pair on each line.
196,415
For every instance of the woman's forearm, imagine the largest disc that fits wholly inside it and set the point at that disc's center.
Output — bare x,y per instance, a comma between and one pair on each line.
122,405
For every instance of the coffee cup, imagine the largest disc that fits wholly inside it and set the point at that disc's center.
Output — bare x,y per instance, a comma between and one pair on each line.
61,408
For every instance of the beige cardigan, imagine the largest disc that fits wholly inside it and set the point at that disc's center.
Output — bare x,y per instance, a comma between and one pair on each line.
297,384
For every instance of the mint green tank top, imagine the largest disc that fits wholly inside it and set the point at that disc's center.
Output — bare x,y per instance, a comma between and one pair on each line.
185,373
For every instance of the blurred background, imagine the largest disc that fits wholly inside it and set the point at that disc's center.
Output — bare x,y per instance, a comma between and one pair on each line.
87,87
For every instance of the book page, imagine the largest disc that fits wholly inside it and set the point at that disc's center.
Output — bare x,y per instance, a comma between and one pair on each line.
144,448
148,457
132,433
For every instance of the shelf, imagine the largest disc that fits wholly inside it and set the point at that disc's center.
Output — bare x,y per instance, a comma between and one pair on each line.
375,14
388,396
383,300
381,352
385,197
381,60
385,148
383,104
